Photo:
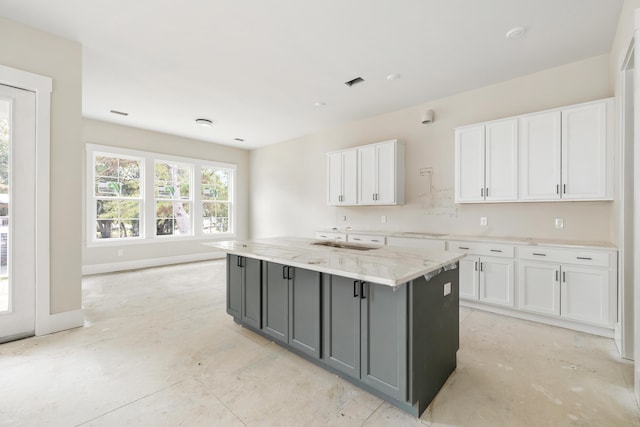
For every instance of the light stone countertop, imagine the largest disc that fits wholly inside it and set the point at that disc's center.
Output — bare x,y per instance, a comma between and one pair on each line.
502,239
384,265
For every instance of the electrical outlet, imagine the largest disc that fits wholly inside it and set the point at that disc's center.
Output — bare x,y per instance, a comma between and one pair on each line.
559,223
447,288
120,252
383,219
483,221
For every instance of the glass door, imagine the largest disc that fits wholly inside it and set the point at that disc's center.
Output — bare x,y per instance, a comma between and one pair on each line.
17,213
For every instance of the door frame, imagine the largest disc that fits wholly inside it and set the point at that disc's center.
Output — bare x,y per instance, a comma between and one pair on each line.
42,87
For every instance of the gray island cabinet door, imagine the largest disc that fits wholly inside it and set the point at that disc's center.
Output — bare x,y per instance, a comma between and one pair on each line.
251,292
384,339
304,311
234,286
275,301
341,332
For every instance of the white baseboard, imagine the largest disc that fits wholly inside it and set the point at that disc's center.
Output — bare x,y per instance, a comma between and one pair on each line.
59,322
145,263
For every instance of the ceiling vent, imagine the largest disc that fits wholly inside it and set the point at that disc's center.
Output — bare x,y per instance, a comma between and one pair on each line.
354,81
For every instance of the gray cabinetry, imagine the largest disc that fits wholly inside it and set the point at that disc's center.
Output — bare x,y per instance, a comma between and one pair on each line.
291,306
244,289
365,333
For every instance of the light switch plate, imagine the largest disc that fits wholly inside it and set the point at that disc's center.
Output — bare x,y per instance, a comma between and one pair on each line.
559,223
483,221
383,219
447,288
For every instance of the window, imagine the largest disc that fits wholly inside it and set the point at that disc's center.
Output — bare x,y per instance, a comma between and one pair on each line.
137,195
117,196
173,198
215,186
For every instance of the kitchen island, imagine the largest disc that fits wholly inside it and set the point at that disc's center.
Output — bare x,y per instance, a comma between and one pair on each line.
385,319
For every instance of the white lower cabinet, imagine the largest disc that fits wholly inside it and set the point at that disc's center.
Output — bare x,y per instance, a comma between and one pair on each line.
539,288
487,279
575,285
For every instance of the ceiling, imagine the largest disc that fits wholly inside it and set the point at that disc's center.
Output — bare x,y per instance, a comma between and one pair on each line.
257,67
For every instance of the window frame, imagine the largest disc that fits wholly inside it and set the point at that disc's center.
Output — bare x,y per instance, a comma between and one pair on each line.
148,200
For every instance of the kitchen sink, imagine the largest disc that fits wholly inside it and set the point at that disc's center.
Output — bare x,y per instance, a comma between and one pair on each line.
341,245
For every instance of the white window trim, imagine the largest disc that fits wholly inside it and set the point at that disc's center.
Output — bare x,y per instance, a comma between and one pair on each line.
147,214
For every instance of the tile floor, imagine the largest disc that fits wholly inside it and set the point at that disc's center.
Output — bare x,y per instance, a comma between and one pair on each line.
159,350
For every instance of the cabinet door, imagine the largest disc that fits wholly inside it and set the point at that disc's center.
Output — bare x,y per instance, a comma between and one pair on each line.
539,153
349,177
539,287
252,292
386,173
584,152
496,281
384,339
234,286
341,324
469,277
275,301
367,185
501,160
334,178
585,295
469,167
304,311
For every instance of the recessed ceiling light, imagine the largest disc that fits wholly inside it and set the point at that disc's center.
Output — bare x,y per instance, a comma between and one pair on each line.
120,113
391,77
238,139
319,104
205,123
516,33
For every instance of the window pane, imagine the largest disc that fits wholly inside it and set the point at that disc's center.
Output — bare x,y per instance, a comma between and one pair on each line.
215,184
173,218
172,181
129,228
106,166
129,209
107,229
107,209
130,188
107,187
215,217
129,169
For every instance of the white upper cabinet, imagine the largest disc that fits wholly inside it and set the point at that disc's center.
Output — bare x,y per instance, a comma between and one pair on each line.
540,162
486,162
342,177
381,173
560,154
584,152
367,175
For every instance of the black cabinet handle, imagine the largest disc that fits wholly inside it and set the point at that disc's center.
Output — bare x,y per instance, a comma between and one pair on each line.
586,258
496,250
375,240
564,188
556,275
537,254
564,277
362,287
463,247
239,262
475,265
284,272
486,192
355,289
481,266
356,238
557,188
289,275
482,192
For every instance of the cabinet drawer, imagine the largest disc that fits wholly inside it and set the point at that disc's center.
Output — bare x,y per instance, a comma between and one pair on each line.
566,256
331,235
366,238
480,248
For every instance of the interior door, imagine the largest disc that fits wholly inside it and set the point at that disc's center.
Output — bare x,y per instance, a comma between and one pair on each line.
17,213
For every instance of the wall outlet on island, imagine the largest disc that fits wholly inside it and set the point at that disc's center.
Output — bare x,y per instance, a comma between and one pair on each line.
383,219
483,221
559,223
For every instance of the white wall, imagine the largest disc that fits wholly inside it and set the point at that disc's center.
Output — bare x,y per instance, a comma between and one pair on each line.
288,180
97,259
38,52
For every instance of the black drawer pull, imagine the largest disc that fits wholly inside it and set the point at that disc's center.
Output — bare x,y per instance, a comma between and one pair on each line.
537,254
362,287
463,247
496,250
585,258
375,240
356,285
356,238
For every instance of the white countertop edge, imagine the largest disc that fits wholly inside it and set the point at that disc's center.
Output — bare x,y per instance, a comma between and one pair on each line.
451,257
514,240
